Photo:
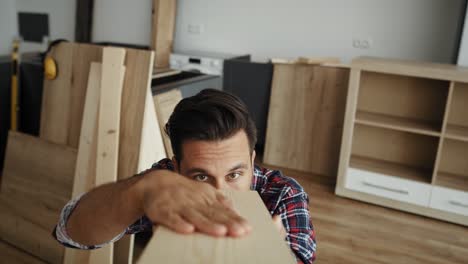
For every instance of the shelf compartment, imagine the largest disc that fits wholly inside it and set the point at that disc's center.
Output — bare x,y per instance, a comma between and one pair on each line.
453,167
395,153
457,132
405,98
391,169
457,123
398,123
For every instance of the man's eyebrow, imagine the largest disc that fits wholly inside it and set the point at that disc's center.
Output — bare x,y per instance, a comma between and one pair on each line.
196,170
239,166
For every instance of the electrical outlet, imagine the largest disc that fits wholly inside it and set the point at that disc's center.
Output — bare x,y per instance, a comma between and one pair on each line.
364,43
195,29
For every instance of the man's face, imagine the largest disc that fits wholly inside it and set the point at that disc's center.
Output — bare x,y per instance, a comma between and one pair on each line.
225,164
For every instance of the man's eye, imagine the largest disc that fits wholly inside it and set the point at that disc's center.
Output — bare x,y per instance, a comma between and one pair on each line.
234,176
201,178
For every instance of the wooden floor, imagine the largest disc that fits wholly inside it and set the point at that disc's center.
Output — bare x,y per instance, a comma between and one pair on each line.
350,231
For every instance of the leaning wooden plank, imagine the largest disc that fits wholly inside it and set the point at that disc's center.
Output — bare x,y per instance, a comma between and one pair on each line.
108,130
63,98
36,185
305,119
165,104
263,245
152,145
85,164
162,33
83,56
56,96
139,66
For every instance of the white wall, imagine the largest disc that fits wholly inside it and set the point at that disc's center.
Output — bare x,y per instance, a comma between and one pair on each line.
61,21
463,55
61,18
415,29
8,25
122,21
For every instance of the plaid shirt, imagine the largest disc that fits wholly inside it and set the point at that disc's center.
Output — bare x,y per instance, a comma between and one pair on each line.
282,196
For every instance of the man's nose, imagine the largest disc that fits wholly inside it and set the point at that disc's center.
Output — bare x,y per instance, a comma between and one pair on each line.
220,185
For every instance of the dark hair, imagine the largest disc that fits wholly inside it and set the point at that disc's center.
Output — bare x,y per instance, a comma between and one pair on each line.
209,115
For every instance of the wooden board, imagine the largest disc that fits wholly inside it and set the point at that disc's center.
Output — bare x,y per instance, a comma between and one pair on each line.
138,70
162,31
305,119
165,104
85,170
37,183
263,245
57,95
108,131
152,145
67,92
139,67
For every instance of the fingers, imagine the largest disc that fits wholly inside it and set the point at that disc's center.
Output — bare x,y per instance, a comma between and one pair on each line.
236,225
178,224
203,224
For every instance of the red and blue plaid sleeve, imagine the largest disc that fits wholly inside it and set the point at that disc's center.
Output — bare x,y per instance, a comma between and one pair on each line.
285,197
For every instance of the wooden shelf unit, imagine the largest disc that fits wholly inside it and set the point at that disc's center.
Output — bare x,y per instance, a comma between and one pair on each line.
406,126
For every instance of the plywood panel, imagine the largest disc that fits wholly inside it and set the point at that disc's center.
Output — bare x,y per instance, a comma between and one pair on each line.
36,185
167,246
165,104
306,117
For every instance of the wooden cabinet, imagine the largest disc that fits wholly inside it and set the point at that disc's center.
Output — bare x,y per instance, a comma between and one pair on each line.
405,139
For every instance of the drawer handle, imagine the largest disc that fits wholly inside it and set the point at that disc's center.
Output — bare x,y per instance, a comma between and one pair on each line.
457,203
385,188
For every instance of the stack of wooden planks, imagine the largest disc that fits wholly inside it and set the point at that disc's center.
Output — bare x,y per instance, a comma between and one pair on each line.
306,115
98,124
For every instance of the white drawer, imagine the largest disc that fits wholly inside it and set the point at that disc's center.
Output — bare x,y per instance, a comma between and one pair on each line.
388,186
449,200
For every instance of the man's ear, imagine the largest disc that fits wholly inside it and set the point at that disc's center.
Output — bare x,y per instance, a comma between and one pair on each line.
175,164
253,157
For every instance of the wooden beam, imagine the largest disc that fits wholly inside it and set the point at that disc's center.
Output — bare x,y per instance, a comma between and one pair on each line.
162,33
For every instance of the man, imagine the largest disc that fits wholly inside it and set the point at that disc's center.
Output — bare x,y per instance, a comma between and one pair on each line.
213,139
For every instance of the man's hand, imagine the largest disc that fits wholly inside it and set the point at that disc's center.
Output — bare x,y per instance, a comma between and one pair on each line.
185,206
